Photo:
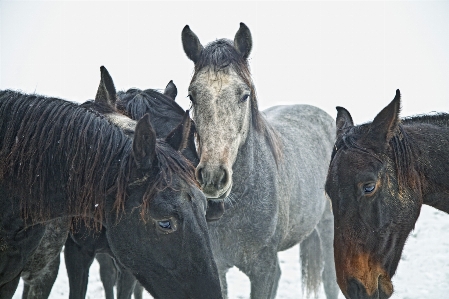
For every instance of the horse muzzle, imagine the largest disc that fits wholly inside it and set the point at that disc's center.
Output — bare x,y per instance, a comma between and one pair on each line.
361,277
357,290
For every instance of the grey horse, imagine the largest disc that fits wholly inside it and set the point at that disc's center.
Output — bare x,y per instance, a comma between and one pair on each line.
263,173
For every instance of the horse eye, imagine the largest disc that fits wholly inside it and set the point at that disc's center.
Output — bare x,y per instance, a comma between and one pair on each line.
369,188
165,224
244,98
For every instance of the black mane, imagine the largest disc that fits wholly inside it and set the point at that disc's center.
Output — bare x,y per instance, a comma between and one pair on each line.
439,119
400,143
135,103
49,146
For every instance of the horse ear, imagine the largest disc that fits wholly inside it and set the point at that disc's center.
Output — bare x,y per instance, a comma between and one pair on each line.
343,121
106,93
243,41
171,90
191,44
144,143
385,123
179,136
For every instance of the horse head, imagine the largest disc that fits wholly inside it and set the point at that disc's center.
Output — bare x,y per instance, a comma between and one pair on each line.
375,200
158,229
224,106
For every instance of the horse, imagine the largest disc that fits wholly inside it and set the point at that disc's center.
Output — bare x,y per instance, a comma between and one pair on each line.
263,173
83,245
61,160
379,176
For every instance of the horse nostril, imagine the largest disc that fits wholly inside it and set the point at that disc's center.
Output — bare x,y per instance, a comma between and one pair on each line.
356,289
222,177
199,174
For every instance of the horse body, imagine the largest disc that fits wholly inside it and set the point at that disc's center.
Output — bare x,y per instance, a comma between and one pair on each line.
380,175
73,163
263,175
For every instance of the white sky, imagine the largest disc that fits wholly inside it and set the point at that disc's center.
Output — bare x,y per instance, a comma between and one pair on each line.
350,54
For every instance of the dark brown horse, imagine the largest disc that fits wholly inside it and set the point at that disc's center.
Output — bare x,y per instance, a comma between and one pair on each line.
379,176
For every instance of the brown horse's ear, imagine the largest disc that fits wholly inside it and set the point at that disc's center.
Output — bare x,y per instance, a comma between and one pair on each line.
106,94
171,90
243,41
179,136
144,143
343,121
191,44
386,122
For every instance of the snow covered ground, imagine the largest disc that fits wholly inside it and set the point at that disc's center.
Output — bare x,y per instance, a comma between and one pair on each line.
422,273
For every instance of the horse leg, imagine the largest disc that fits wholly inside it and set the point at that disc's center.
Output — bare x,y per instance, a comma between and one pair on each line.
108,274
14,254
77,262
264,274
222,270
223,283
138,290
125,284
326,230
8,289
40,287
26,290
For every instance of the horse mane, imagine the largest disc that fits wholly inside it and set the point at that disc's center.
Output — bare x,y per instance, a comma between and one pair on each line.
170,164
221,54
101,108
400,144
49,145
439,119
135,103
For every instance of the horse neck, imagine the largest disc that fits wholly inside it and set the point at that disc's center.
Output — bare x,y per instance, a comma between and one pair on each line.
253,156
430,146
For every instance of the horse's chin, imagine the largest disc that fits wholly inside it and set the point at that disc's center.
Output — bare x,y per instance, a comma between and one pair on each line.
216,207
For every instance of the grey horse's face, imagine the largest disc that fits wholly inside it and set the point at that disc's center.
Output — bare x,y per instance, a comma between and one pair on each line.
220,92
222,114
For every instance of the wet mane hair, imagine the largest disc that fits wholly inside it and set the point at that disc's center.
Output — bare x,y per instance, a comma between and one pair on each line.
135,103
401,145
439,119
50,146
221,54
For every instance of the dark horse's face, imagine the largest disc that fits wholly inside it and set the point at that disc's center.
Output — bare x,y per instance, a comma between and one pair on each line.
373,211
169,250
159,230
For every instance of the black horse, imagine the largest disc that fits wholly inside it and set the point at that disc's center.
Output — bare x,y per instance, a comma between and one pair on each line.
83,245
379,176
60,160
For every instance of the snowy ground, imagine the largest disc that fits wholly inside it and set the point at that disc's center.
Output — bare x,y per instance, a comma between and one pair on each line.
423,271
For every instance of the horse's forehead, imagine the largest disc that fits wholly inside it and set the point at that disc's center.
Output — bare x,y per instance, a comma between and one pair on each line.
217,81
349,163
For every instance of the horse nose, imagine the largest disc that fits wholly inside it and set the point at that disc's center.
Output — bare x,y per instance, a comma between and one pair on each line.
357,290
212,179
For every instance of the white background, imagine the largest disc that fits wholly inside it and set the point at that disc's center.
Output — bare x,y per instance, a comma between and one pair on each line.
351,54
